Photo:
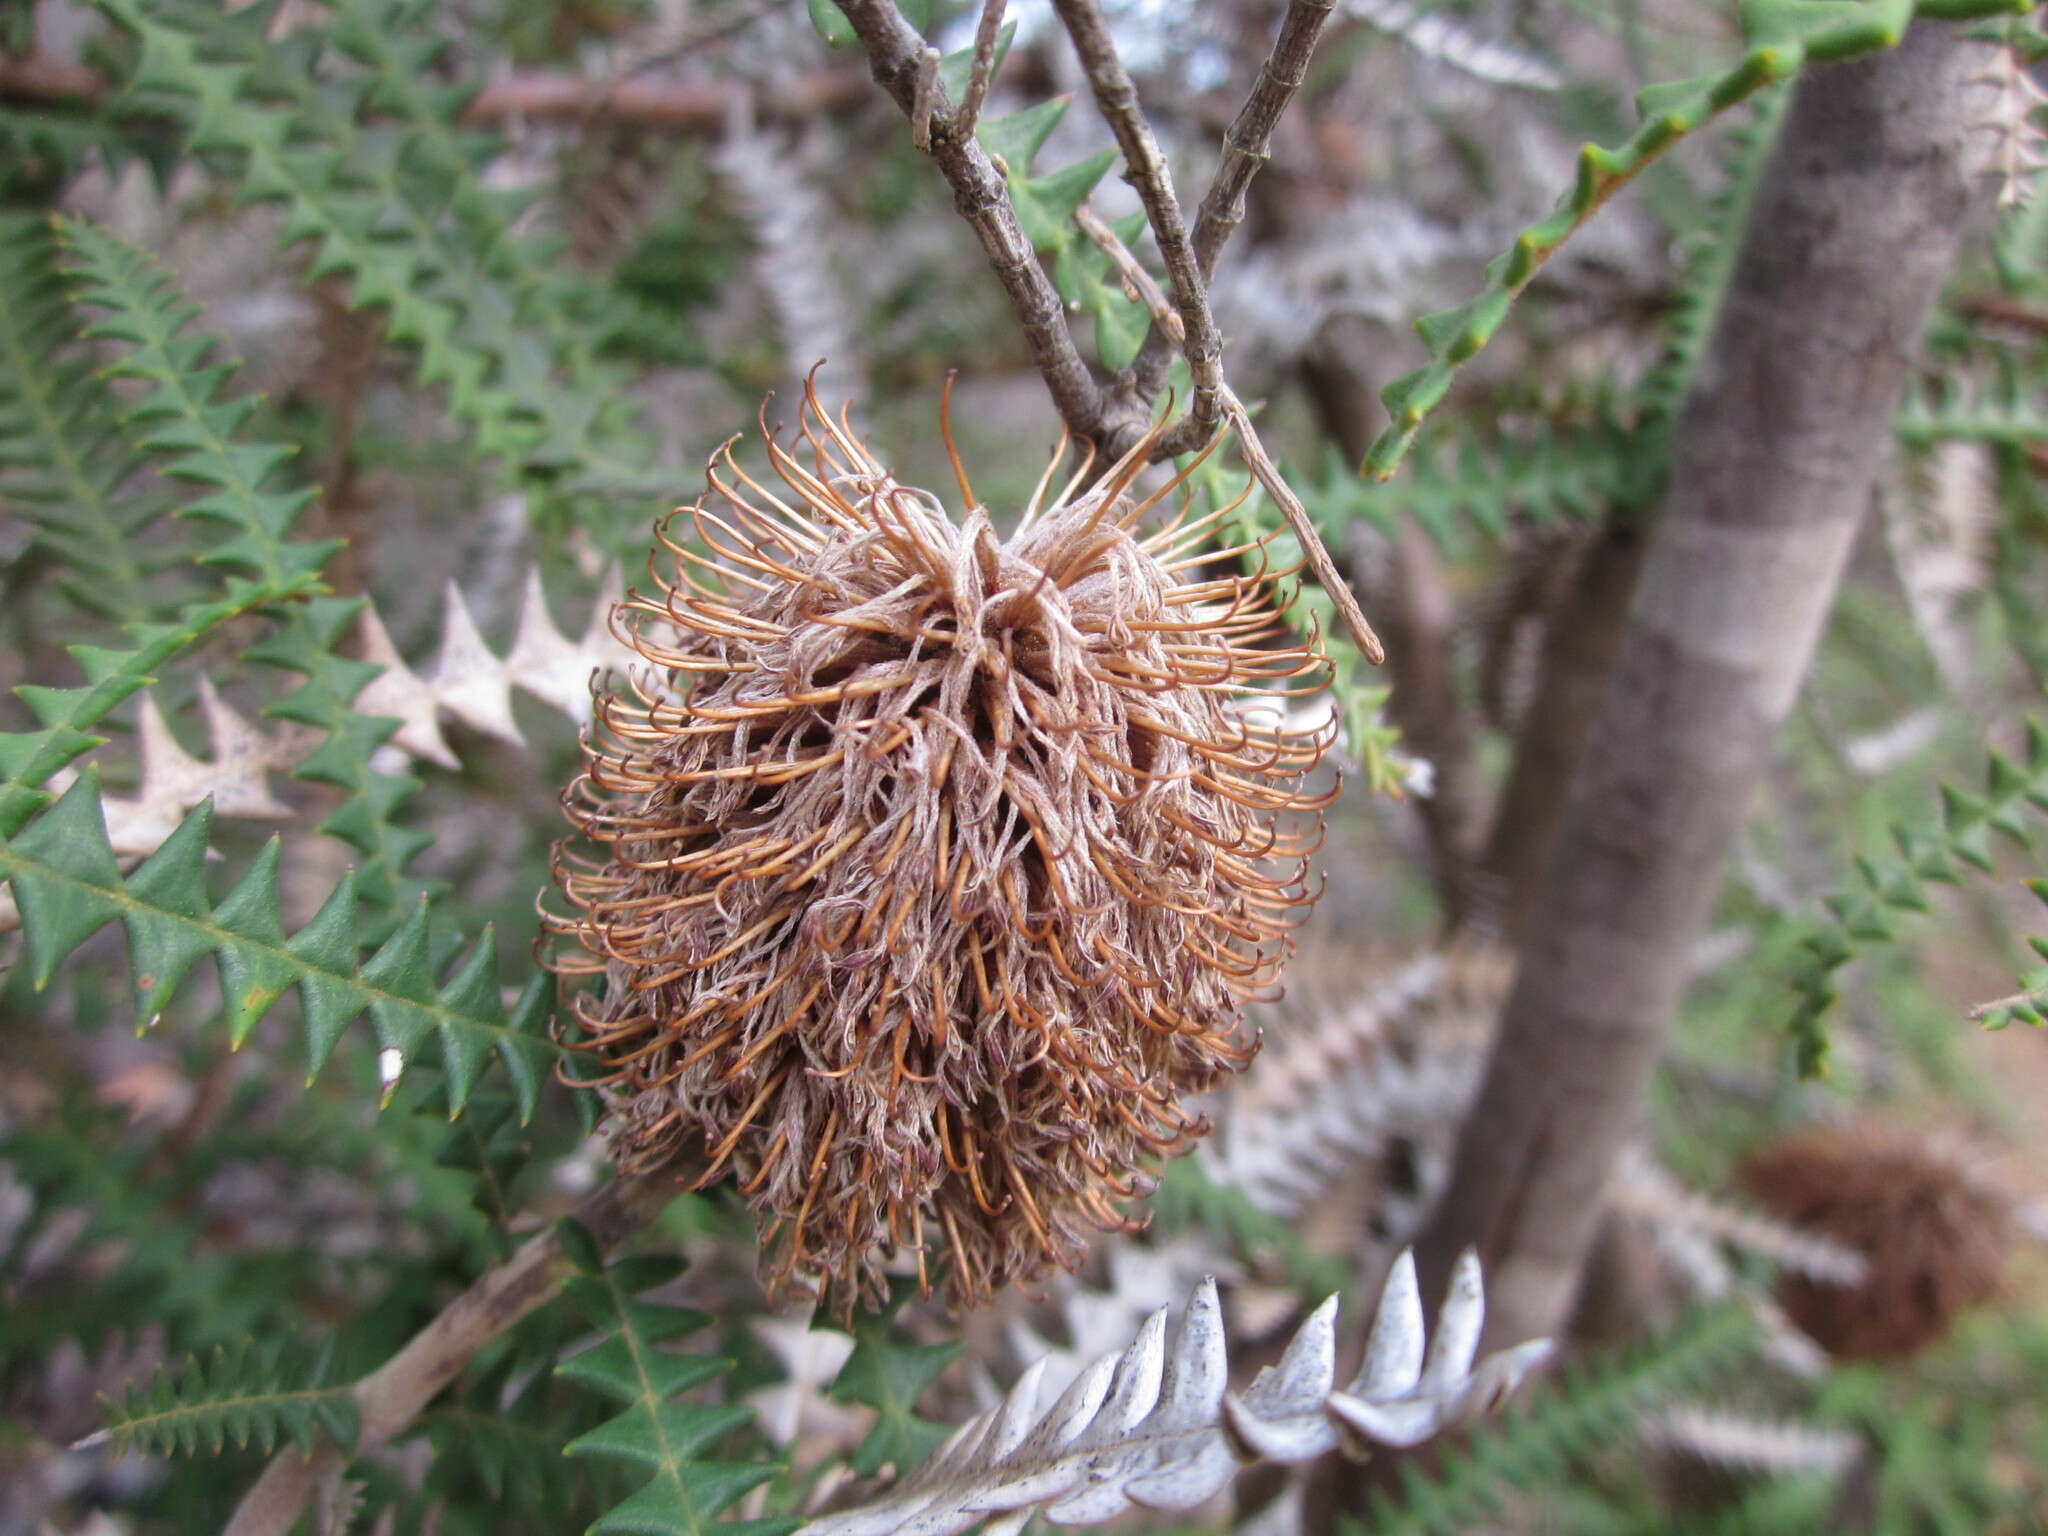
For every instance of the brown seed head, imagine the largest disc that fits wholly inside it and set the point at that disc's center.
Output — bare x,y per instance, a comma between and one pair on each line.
1935,1234
935,867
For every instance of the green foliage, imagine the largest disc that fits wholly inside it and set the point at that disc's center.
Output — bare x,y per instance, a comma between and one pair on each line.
2009,413
66,879
82,1174
1480,482
1959,1446
395,209
181,418
1890,885
61,454
889,1375
654,1433
1954,1447
247,1393
486,1139
201,440
1536,1444
160,505
68,886
502,1438
1782,36
1046,203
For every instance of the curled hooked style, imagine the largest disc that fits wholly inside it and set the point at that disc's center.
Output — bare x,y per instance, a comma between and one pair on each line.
933,868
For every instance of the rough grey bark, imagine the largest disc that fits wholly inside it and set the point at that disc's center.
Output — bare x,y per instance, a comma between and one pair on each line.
1854,229
1579,648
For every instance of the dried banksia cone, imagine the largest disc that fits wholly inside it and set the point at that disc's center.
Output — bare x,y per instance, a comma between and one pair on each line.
1935,1234
935,866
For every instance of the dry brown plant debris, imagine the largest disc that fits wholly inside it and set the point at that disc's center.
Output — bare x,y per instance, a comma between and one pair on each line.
1935,1234
934,867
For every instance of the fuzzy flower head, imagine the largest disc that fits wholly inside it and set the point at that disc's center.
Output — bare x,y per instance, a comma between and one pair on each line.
935,867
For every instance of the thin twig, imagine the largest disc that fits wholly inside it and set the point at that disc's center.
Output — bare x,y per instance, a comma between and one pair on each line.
987,32
1138,283
1117,99
1318,554
391,1397
38,77
895,52
2002,311
2037,998
673,42
1245,143
1148,292
1245,150
541,95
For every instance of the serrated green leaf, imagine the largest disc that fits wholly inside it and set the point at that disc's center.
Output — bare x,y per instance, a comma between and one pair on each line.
65,874
238,1395
328,945
1783,35
57,915
254,974
1046,204
652,1437
1121,325
653,1432
1016,139
167,918
890,1376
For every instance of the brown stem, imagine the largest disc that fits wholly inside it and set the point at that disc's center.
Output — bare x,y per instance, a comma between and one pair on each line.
37,78
2035,998
391,1397
701,106
534,95
1138,283
2004,311
1117,99
895,55
1320,563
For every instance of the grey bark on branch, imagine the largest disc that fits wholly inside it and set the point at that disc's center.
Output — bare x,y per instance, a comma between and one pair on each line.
896,58
1222,210
1855,227
1579,646
1245,143
1245,150
391,1397
988,33
1116,97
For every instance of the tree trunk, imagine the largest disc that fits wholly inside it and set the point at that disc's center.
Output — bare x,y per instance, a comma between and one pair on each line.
1579,647
1854,230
